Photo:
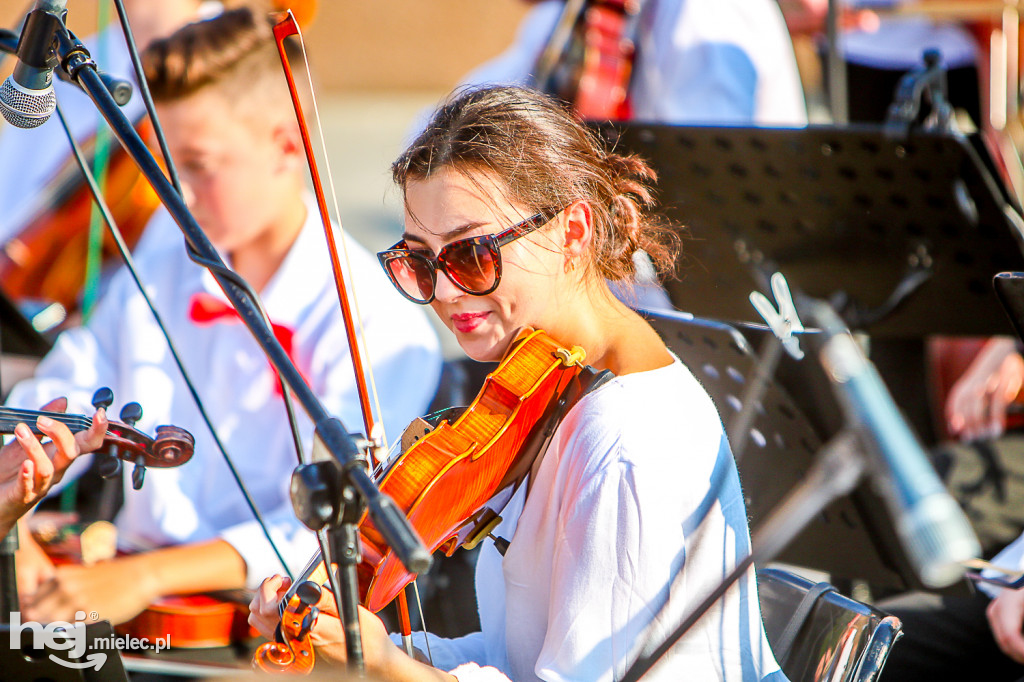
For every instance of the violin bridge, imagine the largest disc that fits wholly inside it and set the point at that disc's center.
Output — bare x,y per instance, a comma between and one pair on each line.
416,430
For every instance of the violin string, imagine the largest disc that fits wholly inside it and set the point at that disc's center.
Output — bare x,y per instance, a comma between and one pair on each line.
423,621
392,454
344,243
29,416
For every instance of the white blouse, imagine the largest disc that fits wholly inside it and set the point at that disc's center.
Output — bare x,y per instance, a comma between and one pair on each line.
636,504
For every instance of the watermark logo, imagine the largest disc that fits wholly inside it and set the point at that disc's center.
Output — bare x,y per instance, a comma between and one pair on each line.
59,635
72,637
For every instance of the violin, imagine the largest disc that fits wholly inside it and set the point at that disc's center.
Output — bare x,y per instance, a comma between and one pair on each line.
193,621
46,259
451,482
190,621
173,446
588,60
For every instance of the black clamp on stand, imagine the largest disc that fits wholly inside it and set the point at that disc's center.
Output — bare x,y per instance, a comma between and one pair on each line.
927,83
342,470
324,498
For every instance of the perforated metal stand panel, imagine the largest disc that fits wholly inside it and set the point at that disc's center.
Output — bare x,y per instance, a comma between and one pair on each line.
836,210
853,537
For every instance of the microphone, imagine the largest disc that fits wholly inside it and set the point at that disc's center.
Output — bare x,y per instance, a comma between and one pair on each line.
26,98
930,524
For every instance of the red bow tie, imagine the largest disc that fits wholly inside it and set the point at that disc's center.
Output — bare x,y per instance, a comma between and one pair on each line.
205,308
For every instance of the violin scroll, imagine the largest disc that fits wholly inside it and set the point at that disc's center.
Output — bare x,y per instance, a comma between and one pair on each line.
173,446
293,652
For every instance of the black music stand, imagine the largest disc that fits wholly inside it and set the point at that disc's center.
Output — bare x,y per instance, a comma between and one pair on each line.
853,538
849,214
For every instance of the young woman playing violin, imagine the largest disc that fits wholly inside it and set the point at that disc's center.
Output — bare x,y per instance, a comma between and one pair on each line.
516,217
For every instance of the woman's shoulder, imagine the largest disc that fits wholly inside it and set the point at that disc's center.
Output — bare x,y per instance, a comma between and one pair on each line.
642,417
671,390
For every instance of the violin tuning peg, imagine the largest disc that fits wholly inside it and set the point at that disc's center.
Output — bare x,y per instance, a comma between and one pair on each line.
131,413
110,467
103,397
308,621
308,593
138,474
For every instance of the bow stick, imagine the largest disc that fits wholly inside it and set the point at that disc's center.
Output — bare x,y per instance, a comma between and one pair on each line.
285,28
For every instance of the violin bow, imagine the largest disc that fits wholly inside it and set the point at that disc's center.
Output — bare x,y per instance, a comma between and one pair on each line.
285,28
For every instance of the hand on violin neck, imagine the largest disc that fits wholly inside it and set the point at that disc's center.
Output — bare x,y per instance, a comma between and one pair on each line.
383,659
263,609
28,468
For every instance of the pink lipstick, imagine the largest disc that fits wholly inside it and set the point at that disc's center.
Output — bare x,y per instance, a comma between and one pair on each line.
467,322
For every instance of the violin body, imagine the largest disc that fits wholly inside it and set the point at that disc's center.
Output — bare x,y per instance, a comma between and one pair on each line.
193,621
446,479
47,258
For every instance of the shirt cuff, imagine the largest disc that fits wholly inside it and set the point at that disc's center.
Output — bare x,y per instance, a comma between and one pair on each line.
297,547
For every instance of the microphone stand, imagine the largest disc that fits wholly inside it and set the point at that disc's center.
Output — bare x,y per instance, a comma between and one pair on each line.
338,460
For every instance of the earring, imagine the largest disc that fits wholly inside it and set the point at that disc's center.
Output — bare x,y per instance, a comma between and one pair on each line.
570,265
